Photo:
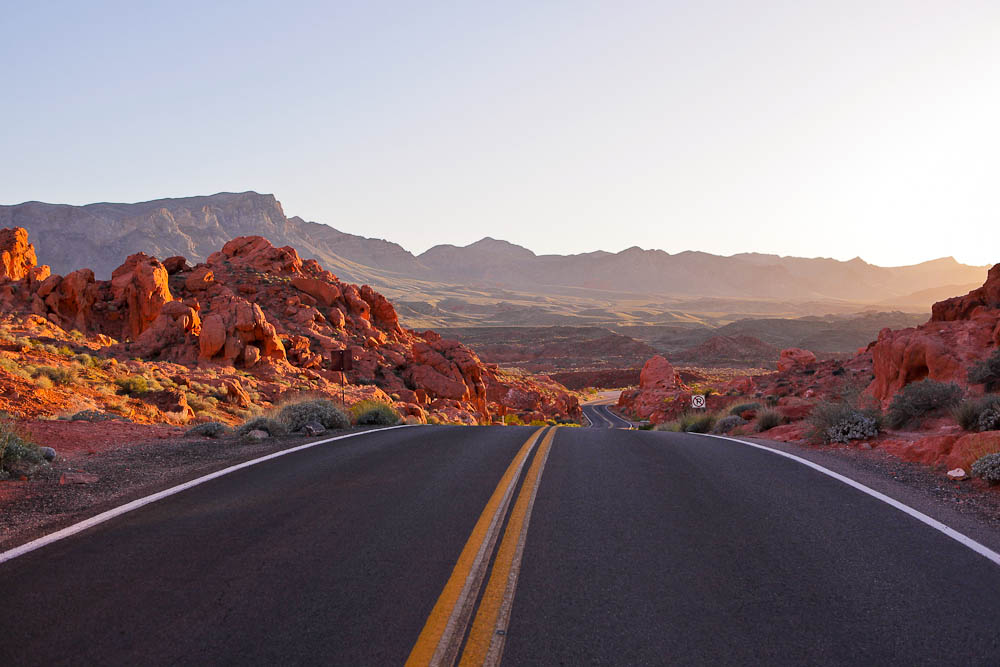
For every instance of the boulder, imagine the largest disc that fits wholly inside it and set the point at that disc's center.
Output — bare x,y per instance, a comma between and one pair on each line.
175,264
324,292
140,287
795,358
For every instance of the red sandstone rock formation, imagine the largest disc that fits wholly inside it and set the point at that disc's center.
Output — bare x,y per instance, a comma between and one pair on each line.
17,256
961,331
794,357
660,395
263,309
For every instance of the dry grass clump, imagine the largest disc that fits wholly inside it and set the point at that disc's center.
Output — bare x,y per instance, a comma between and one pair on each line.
920,399
58,375
768,419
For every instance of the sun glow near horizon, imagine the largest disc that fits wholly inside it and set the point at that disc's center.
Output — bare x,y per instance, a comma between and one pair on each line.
838,129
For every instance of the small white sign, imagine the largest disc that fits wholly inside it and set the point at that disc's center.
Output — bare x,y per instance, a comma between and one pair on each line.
698,401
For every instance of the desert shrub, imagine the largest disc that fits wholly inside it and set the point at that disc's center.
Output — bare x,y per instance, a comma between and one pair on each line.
132,386
987,371
842,422
87,361
673,426
743,407
538,422
209,430
727,424
90,416
374,413
987,467
16,448
699,423
64,351
272,427
967,412
768,419
919,399
199,404
771,400
14,368
57,375
509,419
989,419
322,411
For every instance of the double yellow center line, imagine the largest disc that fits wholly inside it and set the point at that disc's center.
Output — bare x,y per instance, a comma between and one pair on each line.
442,636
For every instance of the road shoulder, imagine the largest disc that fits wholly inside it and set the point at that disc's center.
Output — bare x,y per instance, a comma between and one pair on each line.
968,506
43,504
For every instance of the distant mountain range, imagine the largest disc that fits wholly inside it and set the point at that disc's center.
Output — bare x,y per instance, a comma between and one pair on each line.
102,235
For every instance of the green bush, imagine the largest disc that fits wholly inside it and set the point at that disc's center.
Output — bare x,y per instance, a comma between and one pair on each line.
699,423
978,414
921,399
320,410
58,375
136,385
743,407
987,372
16,449
988,467
87,361
272,427
727,424
209,430
510,420
768,419
842,422
374,414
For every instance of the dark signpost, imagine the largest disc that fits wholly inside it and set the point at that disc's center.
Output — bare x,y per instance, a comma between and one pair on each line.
343,361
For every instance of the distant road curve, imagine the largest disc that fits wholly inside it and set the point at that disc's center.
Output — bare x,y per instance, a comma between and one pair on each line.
600,415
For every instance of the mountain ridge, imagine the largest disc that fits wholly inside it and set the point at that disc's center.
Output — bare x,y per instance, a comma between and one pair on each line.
102,234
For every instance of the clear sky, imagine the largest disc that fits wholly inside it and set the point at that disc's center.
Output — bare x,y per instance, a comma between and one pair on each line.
835,129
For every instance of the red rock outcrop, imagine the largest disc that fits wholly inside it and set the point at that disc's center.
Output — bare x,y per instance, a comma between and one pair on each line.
140,287
17,256
262,309
795,357
961,331
660,395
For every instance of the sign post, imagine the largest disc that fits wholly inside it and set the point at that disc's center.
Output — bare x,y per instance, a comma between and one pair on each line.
698,401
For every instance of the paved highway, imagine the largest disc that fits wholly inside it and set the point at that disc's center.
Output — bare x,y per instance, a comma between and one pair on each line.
507,544
599,414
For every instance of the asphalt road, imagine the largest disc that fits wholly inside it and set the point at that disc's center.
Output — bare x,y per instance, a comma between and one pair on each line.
638,548
600,416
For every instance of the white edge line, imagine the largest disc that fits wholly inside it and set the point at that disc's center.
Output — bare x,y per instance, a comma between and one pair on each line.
965,540
40,542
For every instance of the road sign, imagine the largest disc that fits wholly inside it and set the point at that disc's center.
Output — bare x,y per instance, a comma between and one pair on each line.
341,360
698,401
